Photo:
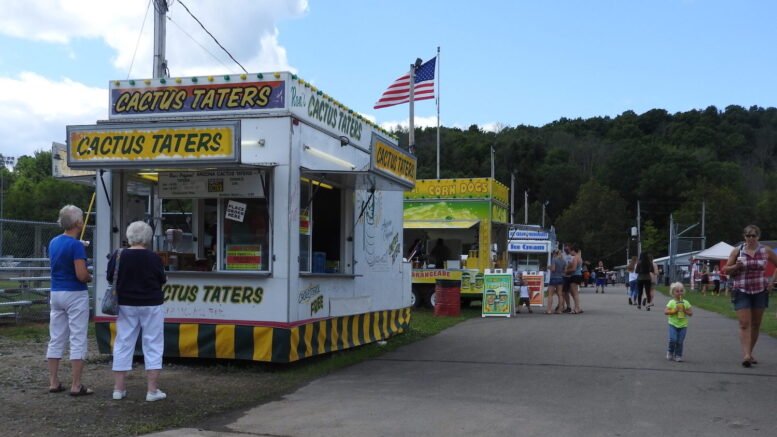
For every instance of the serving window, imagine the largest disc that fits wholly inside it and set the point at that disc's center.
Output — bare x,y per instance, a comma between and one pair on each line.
209,220
325,225
246,235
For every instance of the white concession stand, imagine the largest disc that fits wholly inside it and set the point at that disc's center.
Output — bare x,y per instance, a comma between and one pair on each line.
276,210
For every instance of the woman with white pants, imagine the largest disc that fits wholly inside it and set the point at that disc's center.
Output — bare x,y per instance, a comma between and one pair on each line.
139,288
69,318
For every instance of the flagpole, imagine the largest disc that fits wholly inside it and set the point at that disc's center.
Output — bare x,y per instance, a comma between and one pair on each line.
438,112
411,123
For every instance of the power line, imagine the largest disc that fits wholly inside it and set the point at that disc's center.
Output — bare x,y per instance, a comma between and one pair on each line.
170,19
211,35
618,250
137,43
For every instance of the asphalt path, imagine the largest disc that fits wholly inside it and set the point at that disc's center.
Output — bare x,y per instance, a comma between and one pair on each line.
600,373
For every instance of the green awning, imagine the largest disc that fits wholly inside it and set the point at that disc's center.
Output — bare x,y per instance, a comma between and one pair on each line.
440,224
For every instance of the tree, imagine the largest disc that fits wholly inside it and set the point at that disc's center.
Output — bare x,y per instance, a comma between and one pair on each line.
725,213
593,222
36,195
653,240
669,162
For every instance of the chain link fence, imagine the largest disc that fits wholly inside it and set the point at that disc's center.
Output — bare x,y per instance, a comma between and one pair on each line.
24,268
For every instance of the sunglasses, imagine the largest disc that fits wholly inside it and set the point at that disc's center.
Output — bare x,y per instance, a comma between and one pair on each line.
751,236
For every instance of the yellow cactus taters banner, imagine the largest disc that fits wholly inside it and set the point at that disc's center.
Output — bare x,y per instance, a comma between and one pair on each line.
393,162
111,146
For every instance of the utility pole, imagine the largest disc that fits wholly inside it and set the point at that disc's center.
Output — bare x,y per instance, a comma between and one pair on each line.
526,207
493,171
628,246
703,233
512,197
672,249
639,232
159,71
4,161
160,26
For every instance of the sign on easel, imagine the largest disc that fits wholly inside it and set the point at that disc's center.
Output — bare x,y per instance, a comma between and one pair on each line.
498,293
536,284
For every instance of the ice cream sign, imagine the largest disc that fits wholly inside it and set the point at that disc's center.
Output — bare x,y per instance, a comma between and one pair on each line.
516,234
172,143
528,246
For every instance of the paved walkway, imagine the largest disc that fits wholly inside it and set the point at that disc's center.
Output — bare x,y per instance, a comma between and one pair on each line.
601,373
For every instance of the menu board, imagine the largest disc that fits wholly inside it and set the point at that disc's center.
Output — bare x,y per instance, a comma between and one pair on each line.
211,184
497,294
244,257
536,286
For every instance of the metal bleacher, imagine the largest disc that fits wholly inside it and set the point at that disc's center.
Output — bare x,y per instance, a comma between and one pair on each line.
24,293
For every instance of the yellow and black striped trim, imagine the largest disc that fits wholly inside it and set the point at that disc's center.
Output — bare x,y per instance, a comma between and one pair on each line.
270,344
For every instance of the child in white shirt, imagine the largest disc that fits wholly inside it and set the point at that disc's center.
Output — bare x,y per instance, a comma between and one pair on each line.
523,292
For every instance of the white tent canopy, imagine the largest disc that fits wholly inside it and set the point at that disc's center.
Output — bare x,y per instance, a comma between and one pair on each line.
719,251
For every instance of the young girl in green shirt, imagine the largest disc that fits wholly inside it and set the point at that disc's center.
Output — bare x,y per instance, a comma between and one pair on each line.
678,310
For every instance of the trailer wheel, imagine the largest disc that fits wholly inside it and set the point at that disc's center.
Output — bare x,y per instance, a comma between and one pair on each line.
415,299
433,299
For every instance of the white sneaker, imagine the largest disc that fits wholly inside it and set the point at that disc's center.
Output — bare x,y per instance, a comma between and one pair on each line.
669,356
678,359
157,395
119,395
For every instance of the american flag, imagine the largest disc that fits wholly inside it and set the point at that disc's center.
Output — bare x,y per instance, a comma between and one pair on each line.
399,91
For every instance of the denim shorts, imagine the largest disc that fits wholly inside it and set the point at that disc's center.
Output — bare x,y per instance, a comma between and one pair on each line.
744,301
556,281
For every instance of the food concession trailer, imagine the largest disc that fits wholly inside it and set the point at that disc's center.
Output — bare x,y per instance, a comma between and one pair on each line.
470,216
276,210
530,247
531,250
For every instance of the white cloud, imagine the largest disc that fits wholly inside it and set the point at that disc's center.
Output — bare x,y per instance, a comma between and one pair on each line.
34,111
245,27
494,126
430,121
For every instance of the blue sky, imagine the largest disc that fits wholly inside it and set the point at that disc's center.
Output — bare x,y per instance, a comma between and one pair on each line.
502,62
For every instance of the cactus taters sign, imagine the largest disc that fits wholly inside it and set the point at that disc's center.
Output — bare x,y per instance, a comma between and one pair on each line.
171,144
393,162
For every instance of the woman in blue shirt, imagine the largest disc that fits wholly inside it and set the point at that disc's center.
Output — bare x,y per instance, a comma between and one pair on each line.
69,318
